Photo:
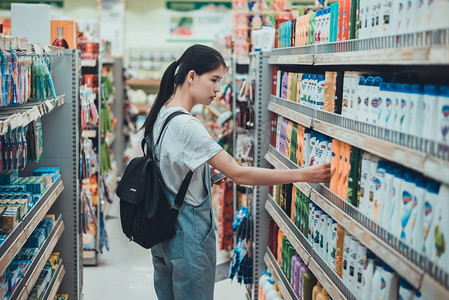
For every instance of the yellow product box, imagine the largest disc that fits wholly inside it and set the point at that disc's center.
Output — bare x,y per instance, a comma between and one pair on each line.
61,297
10,219
52,217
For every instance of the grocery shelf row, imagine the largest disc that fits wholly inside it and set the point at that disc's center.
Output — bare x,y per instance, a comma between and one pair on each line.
420,48
407,262
282,282
423,155
17,238
23,288
333,284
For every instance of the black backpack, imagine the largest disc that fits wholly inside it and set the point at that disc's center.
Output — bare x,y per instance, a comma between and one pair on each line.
146,216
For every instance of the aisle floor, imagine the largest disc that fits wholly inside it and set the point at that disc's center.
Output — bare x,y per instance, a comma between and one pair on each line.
126,271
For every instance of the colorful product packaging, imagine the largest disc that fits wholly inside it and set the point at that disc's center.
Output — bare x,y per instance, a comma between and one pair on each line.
335,162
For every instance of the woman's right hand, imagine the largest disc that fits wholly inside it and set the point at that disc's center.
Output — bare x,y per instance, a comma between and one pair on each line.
320,173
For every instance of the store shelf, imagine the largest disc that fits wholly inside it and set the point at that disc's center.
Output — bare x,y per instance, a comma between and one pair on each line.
305,59
292,110
55,282
143,82
428,55
90,63
21,115
17,238
407,262
422,155
420,48
282,282
326,275
29,277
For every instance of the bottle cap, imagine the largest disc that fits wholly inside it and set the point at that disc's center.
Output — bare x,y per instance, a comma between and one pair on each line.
390,169
444,91
409,177
382,164
398,173
391,86
433,187
383,86
406,285
417,89
420,182
377,81
266,272
431,90
405,88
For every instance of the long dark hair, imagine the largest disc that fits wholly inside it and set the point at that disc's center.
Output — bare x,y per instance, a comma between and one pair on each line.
199,58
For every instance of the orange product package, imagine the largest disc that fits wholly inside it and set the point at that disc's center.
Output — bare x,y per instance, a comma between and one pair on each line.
335,162
346,170
300,146
339,250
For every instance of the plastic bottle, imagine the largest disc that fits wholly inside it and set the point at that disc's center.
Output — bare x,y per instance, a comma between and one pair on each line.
382,104
443,115
388,201
440,229
379,193
316,228
429,215
416,110
322,234
273,294
357,111
269,286
430,111
327,247
395,224
353,263
308,282
347,257
406,291
401,16
406,210
369,89
311,225
323,295
394,125
294,273
262,281
361,254
366,290
405,107
301,273
389,284
333,244
387,17
418,215
306,156
316,290
376,279
375,101
390,104
364,190
374,160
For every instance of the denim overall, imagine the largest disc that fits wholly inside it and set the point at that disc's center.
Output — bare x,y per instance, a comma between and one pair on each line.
184,267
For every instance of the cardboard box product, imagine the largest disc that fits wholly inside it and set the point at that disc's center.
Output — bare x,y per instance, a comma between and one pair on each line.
10,219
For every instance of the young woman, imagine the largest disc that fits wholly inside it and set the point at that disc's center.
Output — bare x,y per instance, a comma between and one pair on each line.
184,267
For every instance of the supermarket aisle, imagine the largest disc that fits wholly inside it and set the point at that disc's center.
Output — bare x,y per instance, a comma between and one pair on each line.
126,271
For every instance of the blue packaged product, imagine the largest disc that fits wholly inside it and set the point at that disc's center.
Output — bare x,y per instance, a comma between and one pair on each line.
48,170
12,188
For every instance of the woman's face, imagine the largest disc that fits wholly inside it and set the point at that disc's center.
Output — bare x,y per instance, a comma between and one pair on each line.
205,87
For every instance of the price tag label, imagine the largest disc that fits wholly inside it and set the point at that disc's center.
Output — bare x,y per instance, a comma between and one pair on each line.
38,49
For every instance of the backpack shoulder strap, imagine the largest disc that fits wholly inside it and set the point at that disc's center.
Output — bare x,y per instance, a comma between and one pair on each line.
148,141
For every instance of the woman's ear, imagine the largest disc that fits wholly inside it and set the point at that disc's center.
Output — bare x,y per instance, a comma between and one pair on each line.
191,76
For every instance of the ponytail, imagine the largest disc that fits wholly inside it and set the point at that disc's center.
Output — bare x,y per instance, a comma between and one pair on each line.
166,90
199,58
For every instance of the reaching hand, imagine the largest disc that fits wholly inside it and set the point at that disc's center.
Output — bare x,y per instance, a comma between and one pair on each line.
318,174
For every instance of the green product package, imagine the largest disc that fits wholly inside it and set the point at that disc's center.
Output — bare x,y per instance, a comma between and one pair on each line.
312,28
353,19
294,142
306,216
352,180
334,22
291,253
357,19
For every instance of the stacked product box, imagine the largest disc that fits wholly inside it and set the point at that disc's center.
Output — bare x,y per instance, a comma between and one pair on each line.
23,259
19,194
45,277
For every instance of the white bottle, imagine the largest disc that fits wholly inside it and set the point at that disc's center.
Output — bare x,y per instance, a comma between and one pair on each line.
262,281
306,147
346,107
346,257
416,110
443,115
382,105
430,204
440,229
396,107
364,182
273,294
407,207
372,186
268,287
388,21
390,105
353,91
353,263
395,225
389,284
410,23
311,217
366,291
376,280
327,248
278,133
430,111
362,14
400,106
380,190
361,255
418,215
375,101
329,151
405,107
385,220
365,111
401,16
333,244
323,234
323,149
317,228
313,138
358,109
406,291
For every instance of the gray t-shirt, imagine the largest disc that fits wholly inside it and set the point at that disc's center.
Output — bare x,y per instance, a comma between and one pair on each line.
186,145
